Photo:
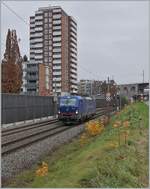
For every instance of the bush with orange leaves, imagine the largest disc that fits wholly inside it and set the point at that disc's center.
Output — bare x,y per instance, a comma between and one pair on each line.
94,128
42,170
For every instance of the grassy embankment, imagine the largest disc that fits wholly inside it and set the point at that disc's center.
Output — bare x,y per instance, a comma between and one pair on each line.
100,162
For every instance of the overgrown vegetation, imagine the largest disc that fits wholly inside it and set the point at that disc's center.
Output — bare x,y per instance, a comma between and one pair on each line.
103,159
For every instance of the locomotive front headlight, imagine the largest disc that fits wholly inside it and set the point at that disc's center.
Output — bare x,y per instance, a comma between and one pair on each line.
77,112
58,112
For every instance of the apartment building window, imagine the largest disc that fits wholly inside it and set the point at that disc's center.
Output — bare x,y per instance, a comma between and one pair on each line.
45,32
46,20
50,47
50,59
46,59
50,53
45,43
57,28
45,53
57,50
56,38
50,31
46,14
45,36
57,16
45,26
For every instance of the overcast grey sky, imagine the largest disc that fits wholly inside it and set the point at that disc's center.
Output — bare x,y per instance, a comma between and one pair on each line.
112,36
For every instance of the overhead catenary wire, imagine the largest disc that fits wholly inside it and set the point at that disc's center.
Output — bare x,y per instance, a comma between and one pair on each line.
11,10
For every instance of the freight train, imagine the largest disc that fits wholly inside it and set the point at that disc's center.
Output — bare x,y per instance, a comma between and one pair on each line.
74,109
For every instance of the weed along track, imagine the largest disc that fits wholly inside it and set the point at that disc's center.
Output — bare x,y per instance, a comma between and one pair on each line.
23,146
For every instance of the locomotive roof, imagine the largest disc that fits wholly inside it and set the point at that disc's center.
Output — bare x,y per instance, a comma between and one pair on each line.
71,96
77,97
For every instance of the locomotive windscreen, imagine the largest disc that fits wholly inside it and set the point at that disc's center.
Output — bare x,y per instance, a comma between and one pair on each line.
68,102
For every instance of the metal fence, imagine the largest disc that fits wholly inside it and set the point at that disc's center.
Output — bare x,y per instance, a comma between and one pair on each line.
17,108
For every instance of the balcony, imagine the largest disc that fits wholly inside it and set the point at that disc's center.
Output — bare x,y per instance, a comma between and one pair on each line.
32,69
57,67
38,23
31,77
56,55
56,33
38,34
73,60
73,34
56,79
73,71
55,61
73,50
56,39
39,17
56,10
56,22
57,84
72,40
31,85
74,66
57,27
73,45
73,55
56,16
56,44
38,29
56,50
56,73
38,45
73,24
74,30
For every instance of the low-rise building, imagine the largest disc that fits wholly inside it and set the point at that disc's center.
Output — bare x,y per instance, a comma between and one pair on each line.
89,87
129,90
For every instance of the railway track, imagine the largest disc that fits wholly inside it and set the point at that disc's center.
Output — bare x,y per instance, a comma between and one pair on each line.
16,138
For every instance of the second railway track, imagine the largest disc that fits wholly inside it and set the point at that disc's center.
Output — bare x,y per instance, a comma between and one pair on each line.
16,138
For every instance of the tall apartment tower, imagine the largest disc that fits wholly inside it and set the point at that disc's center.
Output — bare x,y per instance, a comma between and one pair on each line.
53,42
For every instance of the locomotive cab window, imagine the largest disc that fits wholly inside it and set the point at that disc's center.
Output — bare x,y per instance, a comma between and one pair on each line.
68,102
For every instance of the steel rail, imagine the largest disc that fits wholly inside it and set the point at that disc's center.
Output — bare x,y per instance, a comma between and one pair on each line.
14,130
27,127
20,142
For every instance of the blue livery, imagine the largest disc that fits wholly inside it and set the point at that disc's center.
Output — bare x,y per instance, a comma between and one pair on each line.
76,108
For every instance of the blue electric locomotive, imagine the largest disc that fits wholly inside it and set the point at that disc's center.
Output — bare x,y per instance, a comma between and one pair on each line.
76,108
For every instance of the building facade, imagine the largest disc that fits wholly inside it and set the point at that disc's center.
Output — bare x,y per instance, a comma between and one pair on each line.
89,87
129,90
53,42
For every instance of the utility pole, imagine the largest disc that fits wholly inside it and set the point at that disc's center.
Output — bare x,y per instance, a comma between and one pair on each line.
108,86
143,76
108,91
55,101
91,88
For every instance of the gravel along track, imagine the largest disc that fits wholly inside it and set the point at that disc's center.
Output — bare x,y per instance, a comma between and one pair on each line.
15,138
17,129
23,148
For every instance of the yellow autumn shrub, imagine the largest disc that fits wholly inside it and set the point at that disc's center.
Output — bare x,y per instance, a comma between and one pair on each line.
42,170
94,128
